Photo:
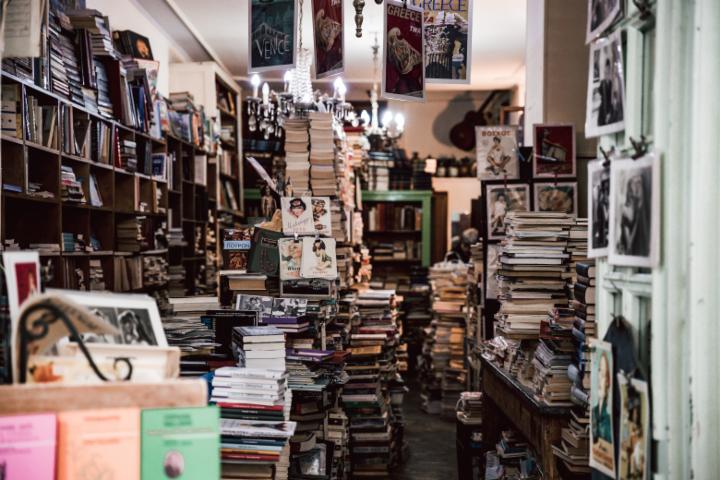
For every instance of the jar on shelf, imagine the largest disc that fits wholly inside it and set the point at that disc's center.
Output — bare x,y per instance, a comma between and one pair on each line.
441,168
453,169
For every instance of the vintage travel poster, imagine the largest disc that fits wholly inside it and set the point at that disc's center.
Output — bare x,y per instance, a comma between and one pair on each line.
448,40
403,72
272,34
329,38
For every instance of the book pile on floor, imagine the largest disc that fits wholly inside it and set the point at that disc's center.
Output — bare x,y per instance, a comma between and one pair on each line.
534,269
511,459
297,156
322,154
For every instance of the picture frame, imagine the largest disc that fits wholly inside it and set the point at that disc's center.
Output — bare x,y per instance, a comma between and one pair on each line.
601,15
465,40
554,152
501,198
256,66
559,197
605,102
497,152
602,436
396,34
598,202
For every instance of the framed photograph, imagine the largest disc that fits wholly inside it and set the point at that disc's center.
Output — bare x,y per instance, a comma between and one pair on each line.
329,37
319,259
635,435
635,212
22,275
255,303
297,216
448,41
601,14
602,445
289,307
403,72
321,215
598,208
135,315
497,152
494,250
271,33
605,108
559,197
554,154
290,250
501,199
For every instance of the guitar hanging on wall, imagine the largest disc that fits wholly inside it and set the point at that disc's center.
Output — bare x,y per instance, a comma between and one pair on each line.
462,135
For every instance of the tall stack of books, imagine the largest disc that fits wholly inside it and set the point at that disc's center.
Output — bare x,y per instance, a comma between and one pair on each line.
130,235
379,165
259,347
322,154
550,362
297,156
533,273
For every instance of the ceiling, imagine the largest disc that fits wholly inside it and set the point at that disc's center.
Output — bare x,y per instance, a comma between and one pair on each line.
220,26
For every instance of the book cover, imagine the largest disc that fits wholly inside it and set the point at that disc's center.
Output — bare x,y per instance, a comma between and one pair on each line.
99,444
236,247
321,215
264,257
290,258
297,216
27,446
181,443
318,258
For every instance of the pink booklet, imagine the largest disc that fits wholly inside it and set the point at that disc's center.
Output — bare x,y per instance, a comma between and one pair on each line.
27,447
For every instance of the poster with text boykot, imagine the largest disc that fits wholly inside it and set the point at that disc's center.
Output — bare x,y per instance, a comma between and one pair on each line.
448,40
403,71
329,38
272,34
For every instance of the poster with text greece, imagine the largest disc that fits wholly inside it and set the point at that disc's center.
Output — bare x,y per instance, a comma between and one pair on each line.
272,34
328,33
448,40
403,71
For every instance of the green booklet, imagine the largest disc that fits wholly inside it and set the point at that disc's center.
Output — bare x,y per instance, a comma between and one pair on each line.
181,443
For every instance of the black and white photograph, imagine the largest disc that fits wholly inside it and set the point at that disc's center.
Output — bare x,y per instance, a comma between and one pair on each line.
255,303
315,288
558,197
494,251
601,14
497,152
289,307
502,199
598,208
605,110
135,315
634,212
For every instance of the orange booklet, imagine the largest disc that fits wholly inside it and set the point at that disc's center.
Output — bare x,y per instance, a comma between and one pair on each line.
99,444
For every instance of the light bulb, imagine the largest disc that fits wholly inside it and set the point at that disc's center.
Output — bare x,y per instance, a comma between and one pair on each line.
288,78
387,118
255,82
365,117
265,93
400,121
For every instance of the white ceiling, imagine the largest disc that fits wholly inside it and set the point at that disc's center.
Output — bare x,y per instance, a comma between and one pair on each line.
498,30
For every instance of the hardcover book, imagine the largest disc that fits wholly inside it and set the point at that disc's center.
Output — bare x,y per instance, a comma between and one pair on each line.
99,444
181,443
236,245
264,257
27,446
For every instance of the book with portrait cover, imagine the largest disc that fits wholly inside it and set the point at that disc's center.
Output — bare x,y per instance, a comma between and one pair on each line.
319,258
321,215
181,443
297,216
264,256
27,446
103,443
290,258
236,247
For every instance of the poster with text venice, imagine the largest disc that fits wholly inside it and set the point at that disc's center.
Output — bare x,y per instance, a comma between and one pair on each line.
272,34
403,70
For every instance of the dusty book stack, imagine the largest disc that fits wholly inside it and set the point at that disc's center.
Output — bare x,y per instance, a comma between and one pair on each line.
322,154
297,155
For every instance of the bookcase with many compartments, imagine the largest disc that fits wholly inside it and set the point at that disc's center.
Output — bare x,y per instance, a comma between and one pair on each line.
88,193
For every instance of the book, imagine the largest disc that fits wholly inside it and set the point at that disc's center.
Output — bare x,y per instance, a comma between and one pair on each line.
290,253
27,446
236,247
263,256
181,443
319,258
104,440
260,334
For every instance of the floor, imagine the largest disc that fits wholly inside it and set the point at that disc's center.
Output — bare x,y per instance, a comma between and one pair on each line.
431,440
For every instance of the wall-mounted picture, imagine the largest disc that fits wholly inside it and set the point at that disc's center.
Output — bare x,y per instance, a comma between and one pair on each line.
601,14
605,109
321,215
290,250
554,154
271,34
635,212
448,40
497,152
318,258
297,216
329,38
598,208
559,197
635,435
502,199
22,275
403,73
602,450
494,250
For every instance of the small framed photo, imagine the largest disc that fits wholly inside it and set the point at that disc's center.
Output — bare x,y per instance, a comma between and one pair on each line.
598,208
601,14
255,303
605,105
497,152
635,212
501,199
558,197
554,151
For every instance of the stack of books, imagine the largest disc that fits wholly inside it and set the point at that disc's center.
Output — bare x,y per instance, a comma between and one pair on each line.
96,275
130,236
379,165
322,154
128,155
574,446
297,156
11,110
533,273
176,280
469,408
550,362
155,270
65,78
259,347
196,340
72,188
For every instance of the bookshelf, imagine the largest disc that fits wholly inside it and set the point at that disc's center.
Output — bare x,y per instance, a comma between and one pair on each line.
418,199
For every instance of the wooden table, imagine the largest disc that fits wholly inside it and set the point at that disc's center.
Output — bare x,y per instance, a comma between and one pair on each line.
508,403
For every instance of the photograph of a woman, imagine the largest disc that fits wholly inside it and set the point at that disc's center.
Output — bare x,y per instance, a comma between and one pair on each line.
602,450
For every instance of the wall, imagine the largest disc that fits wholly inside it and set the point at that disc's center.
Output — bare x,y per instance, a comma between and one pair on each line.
461,193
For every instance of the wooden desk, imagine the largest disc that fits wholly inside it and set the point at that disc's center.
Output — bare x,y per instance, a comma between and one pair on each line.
507,402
